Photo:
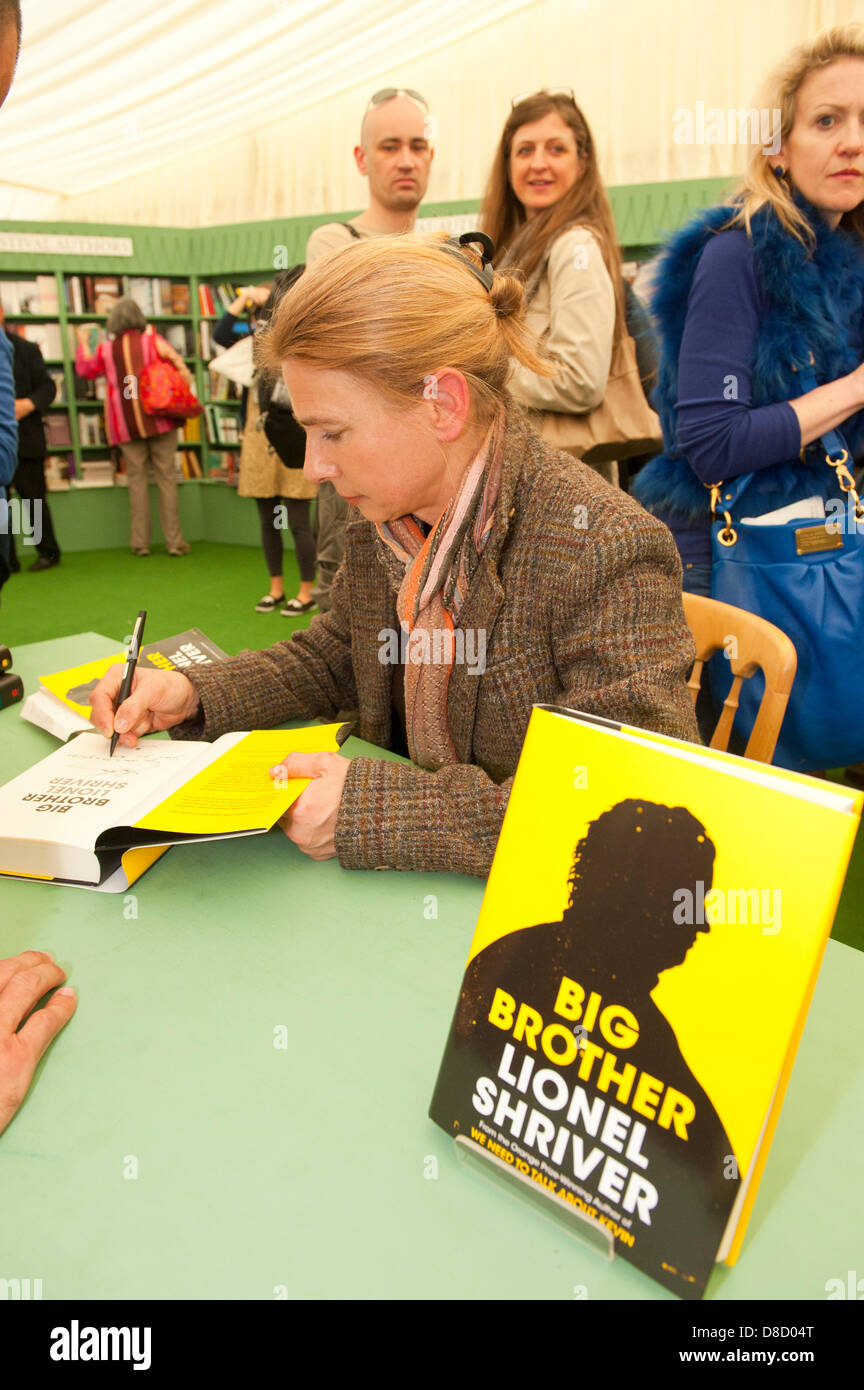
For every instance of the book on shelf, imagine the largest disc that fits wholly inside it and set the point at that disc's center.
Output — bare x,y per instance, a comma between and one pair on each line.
636,989
91,430
46,336
36,296
62,704
180,303
216,299
82,818
95,473
190,430
223,426
48,298
57,430
227,294
106,291
140,288
154,295
74,294
226,471
187,464
58,376
180,336
58,472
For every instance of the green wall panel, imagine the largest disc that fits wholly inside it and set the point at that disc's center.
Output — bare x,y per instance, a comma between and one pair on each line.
157,250
644,214
98,518
231,519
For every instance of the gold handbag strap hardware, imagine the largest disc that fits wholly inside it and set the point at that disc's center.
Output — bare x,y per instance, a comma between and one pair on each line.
845,481
728,536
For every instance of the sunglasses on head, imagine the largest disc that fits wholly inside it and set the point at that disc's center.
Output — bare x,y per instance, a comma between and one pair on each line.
388,93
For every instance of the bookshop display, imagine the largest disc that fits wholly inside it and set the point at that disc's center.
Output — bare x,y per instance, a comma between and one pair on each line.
637,986
58,311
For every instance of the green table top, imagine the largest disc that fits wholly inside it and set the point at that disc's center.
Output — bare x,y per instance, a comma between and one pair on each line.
310,1169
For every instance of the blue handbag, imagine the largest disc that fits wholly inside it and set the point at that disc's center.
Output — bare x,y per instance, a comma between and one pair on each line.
807,577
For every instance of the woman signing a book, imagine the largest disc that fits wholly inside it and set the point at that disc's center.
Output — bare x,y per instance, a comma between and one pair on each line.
483,572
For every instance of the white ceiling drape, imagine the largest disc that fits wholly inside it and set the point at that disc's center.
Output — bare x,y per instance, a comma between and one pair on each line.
199,112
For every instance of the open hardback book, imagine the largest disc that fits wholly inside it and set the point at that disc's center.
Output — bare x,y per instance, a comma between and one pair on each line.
81,817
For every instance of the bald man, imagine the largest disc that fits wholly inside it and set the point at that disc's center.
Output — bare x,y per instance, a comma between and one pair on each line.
395,154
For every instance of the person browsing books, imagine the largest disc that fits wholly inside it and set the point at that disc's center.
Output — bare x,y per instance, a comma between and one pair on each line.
485,572
142,438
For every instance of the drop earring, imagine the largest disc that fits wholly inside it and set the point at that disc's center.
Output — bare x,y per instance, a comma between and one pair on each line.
782,176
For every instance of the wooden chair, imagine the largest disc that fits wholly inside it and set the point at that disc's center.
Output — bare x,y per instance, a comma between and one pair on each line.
756,644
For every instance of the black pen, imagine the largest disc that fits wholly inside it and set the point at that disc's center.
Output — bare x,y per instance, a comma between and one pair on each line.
128,674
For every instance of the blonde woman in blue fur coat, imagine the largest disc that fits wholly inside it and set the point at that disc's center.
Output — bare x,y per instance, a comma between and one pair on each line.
748,291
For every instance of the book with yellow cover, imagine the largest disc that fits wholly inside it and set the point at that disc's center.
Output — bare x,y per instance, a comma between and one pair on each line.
81,817
62,705
638,982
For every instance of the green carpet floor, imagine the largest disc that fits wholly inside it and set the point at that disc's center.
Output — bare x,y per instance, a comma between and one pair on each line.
215,589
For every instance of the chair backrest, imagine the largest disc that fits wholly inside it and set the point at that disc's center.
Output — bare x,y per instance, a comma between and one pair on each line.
750,643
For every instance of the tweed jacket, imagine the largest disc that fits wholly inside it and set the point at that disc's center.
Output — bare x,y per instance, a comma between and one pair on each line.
578,597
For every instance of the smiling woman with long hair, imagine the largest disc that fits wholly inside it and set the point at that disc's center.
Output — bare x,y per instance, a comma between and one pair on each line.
484,572
547,213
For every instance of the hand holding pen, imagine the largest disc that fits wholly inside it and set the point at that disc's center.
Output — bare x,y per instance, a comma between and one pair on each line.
129,673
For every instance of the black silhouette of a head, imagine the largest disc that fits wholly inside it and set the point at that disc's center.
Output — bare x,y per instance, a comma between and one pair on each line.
626,873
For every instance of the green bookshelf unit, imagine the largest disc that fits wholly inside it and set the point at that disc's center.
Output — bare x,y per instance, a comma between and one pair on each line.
61,255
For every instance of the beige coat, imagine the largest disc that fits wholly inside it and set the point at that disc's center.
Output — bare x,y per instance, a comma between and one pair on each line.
262,472
571,308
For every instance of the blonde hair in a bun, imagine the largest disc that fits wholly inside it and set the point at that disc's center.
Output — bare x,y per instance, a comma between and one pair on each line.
394,309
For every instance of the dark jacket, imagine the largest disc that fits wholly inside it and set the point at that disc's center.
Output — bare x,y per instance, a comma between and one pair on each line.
31,380
578,596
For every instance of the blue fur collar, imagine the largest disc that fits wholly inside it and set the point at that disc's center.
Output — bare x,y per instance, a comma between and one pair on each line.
807,295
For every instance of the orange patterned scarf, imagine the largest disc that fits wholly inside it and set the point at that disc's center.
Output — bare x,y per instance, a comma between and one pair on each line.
436,572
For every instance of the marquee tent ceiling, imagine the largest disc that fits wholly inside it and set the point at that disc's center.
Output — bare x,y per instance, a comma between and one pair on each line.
193,113
106,89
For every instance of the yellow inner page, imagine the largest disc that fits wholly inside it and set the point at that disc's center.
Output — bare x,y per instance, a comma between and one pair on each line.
236,791
137,861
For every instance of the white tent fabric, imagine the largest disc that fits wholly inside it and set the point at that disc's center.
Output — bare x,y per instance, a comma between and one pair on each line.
199,112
